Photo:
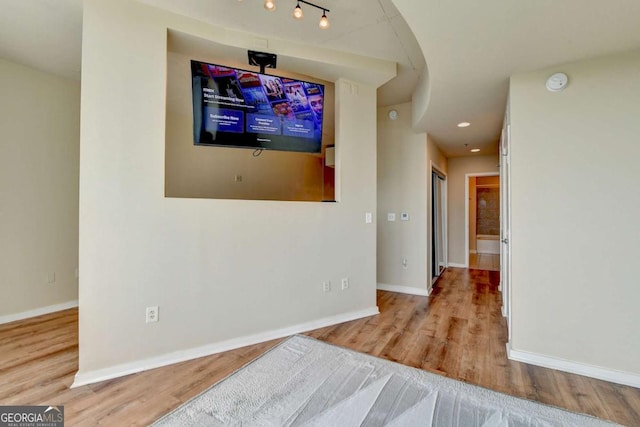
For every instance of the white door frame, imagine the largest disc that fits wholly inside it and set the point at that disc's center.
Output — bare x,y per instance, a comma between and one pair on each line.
466,210
505,221
434,168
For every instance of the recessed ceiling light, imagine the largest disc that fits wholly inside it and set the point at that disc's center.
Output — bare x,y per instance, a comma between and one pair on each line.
475,150
463,124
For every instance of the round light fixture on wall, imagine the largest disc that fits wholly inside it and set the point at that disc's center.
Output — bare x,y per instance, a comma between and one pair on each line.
393,114
557,82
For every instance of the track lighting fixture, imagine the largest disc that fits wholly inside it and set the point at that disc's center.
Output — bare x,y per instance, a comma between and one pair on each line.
324,21
270,5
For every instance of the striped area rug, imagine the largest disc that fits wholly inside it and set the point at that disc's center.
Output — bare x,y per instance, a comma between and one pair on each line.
305,382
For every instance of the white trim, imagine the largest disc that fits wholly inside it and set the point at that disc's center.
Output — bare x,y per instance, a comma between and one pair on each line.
90,377
404,289
38,312
612,375
505,218
458,265
466,210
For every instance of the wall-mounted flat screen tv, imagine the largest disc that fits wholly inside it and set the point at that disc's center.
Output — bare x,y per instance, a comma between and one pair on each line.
245,109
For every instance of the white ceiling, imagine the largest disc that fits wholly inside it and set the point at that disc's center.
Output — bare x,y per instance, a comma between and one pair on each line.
471,47
42,34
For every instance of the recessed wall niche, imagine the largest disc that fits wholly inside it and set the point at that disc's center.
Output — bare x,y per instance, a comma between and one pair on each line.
197,171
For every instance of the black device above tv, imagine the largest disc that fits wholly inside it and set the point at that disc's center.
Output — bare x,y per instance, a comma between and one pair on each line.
245,109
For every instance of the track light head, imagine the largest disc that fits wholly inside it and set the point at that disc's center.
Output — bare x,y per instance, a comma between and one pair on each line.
324,21
270,5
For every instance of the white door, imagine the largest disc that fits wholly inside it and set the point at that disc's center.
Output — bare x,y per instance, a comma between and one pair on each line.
505,222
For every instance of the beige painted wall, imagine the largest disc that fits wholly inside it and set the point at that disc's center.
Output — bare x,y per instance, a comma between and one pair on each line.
575,204
404,186
210,172
402,167
435,156
39,149
217,269
458,168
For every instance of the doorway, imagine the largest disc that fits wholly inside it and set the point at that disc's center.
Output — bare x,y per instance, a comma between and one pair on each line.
482,211
438,223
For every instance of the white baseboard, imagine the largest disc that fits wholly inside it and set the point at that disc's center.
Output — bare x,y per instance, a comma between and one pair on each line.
404,289
90,377
457,265
612,375
38,312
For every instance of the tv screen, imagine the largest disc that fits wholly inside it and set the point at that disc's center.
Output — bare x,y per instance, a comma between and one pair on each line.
240,108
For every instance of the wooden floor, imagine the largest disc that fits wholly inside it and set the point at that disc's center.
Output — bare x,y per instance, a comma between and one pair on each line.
490,262
457,332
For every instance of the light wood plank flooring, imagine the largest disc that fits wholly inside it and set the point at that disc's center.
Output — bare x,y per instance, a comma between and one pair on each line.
490,262
457,332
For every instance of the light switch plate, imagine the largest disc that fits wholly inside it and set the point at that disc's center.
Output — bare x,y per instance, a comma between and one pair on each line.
391,216
404,216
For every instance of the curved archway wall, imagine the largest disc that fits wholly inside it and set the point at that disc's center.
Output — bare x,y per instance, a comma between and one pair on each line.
224,273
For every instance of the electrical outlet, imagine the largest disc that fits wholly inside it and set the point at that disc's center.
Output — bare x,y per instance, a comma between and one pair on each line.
153,314
51,278
345,283
326,286
404,262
